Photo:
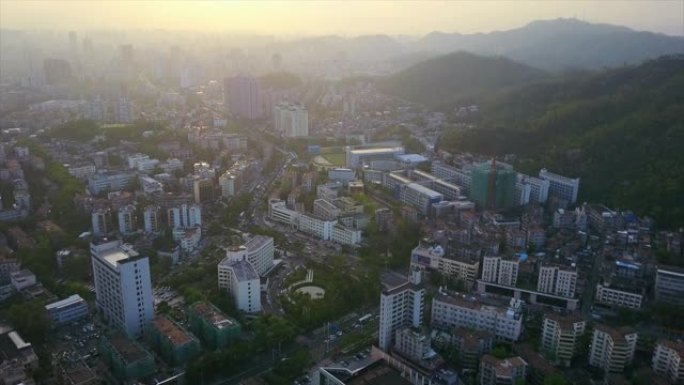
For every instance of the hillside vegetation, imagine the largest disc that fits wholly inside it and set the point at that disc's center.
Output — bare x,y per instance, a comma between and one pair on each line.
457,78
621,131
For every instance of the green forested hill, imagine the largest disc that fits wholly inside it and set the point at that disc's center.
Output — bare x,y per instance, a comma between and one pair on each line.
457,78
621,131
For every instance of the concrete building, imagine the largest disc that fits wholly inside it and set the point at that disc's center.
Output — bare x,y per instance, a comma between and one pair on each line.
427,256
357,157
202,189
503,321
127,360
123,288
18,358
215,329
401,305
558,280
668,360
419,197
68,310
560,337
291,121
240,280
508,371
229,184
81,171
413,343
101,222
669,285
621,295
188,238
8,265
471,345
536,189
325,209
172,342
242,97
151,219
110,181
612,349
503,271
184,215
127,220
461,177
150,185
560,186
258,251
22,279
344,175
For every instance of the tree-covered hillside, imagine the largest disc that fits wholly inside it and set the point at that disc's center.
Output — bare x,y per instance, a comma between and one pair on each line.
621,131
457,78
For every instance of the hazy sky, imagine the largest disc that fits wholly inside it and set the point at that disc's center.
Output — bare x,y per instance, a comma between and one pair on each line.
333,17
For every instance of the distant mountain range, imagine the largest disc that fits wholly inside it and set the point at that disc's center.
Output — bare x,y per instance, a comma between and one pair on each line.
560,44
552,45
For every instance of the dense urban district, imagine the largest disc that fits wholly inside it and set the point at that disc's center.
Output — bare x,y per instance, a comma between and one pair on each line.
276,230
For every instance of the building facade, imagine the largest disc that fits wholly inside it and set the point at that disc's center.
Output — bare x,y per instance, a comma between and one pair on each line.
123,288
400,306
612,349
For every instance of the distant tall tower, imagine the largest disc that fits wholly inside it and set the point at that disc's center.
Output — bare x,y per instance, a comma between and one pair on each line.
242,97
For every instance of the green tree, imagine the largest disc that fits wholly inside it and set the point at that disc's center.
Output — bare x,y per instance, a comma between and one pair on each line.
31,320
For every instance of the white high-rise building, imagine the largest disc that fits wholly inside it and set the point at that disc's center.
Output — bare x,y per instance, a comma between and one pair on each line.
151,219
291,120
557,280
560,336
100,219
185,215
500,270
400,305
241,280
561,186
174,218
127,219
612,349
123,288
258,251
668,360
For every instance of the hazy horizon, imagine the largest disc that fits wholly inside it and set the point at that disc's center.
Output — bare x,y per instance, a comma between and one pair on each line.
333,18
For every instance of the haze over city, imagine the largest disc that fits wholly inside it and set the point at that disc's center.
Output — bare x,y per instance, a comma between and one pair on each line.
342,192
348,18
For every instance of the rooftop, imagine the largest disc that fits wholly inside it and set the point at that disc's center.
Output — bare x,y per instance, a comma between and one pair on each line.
174,333
128,350
424,190
617,334
378,150
504,368
677,346
565,321
212,315
377,373
258,241
74,299
244,271
477,302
